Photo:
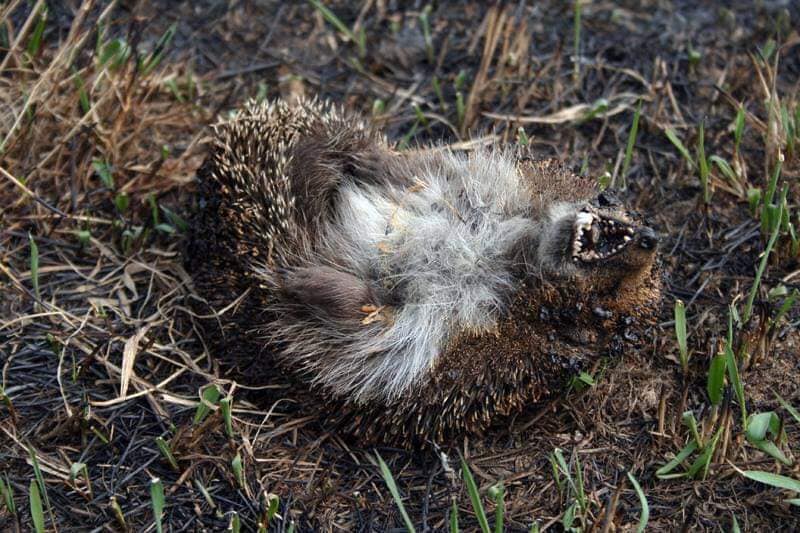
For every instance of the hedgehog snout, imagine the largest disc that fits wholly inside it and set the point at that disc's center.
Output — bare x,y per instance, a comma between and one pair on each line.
647,238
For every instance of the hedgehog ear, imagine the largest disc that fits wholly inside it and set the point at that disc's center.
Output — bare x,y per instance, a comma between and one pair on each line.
338,294
607,199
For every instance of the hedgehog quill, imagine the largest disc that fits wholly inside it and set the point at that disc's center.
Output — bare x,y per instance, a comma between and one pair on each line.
427,292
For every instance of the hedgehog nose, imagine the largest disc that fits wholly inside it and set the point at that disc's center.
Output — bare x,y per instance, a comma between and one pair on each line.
647,238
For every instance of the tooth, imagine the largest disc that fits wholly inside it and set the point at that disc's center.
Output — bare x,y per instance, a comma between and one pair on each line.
584,218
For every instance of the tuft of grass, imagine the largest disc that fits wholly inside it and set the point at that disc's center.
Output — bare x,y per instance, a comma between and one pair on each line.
574,486
76,469
392,486
748,308
209,396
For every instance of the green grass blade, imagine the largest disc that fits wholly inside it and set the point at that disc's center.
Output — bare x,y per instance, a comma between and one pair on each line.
390,483
774,480
166,451
37,512
771,449
209,396
103,170
626,163
235,524
738,129
748,308
34,266
716,378
118,514
576,23
792,411
680,334
238,470
497,493
454,518
475,497
37,471
687,450
724,167
157,54
226,405
83,96
736,381
157,501
702,163
336,22
272,509
35,44
673,138
645,514
7,494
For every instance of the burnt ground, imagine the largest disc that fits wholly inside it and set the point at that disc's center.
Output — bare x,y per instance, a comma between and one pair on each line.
101,352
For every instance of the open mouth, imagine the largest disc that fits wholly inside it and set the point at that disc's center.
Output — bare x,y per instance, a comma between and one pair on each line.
597,237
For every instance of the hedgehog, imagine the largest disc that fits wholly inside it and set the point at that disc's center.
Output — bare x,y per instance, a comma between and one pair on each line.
419,294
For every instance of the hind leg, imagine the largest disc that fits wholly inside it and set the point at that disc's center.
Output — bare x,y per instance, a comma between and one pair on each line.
339,295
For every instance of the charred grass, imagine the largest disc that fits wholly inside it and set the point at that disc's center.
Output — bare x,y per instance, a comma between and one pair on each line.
114,415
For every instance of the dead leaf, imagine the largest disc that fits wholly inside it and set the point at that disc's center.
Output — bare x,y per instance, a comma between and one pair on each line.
128,358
